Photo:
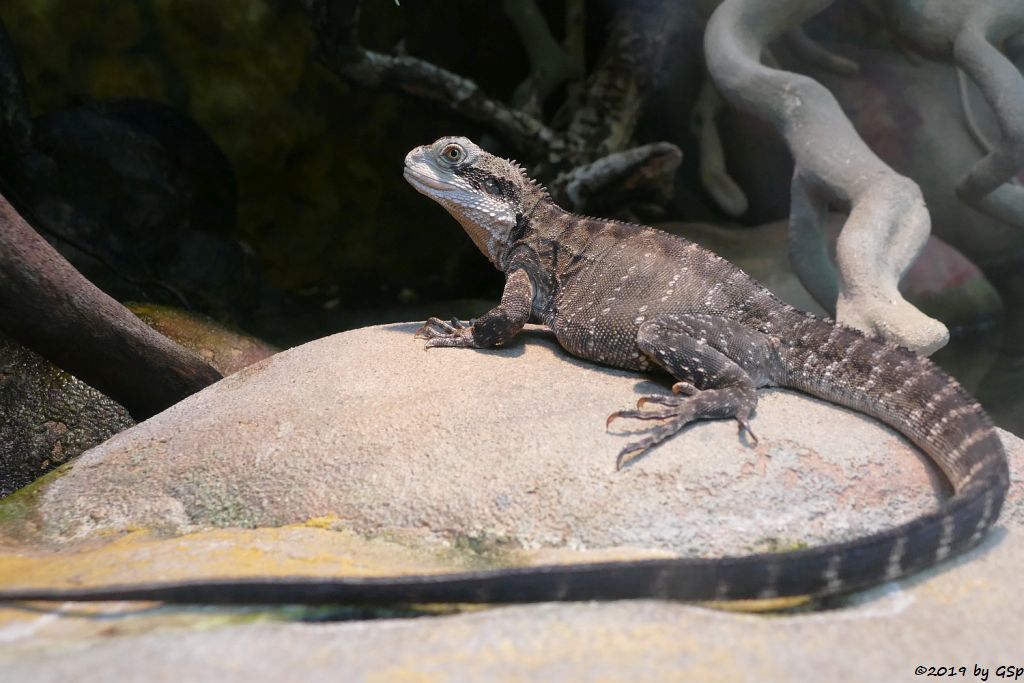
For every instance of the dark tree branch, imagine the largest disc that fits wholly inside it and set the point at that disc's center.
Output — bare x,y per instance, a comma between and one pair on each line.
427,81
601,159
550,64
51,308
600,124
335,23
639,174
618,88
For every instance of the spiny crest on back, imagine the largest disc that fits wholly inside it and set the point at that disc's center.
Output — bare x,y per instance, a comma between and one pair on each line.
537,187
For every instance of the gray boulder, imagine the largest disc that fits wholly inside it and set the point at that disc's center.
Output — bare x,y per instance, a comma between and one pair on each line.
505,447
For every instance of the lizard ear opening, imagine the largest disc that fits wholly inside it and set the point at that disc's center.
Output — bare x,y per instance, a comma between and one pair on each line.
491,186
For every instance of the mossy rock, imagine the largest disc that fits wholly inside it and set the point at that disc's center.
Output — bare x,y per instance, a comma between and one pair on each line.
48,417
226,350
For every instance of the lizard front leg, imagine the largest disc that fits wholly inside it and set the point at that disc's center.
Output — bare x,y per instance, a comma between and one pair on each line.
719,365
494,328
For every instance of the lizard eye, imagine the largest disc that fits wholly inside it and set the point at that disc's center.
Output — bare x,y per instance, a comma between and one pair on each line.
453,153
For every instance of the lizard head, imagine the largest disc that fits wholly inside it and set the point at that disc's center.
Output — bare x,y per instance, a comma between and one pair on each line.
488,195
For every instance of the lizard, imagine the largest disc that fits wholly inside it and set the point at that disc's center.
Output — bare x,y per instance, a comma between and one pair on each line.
635,297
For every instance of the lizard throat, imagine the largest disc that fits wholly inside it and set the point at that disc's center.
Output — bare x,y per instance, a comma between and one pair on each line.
489,231
487,221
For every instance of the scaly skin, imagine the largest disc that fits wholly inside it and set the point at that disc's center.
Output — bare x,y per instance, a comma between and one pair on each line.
634,297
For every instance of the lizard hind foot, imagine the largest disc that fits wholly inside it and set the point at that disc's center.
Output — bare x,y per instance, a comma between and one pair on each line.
679,411
635,449
438,332
676,413
435,326
745,427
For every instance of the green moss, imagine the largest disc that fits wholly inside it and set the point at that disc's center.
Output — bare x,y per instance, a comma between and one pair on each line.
772,544
465,552
485,551
21,507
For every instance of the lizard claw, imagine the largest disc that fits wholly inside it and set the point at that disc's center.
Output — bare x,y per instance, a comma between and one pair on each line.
634,450
684,388
438,332
435,326
658,399
626,456
745,427
680,391
639,415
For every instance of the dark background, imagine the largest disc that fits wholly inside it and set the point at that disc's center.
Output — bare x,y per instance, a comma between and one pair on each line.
198,154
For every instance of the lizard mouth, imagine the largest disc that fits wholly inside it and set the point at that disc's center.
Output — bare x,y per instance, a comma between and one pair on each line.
424,180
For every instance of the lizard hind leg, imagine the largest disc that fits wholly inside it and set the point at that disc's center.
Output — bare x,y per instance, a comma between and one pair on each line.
718,364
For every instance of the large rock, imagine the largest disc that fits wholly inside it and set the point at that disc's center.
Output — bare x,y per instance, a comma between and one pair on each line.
507,447
379,457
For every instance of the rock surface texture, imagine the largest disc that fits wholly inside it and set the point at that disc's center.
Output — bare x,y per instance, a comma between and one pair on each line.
362,453
47,416
507,445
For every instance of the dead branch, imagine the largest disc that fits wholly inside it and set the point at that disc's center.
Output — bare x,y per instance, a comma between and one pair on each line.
714,176
335,24
51,308
888,222
640,174
599,123
987,185
550,65
807,50
617,89
967,33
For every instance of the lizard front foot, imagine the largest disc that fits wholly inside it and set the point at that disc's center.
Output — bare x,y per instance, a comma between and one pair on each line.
454,333
679,411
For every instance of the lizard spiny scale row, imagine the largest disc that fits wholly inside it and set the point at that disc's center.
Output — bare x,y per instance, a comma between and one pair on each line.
631,296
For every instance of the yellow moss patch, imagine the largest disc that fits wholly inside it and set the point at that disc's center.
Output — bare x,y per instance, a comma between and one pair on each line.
311,550
325,522
766,605
319,547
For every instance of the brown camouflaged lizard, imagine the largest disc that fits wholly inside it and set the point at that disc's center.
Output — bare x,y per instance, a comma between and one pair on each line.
634,297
